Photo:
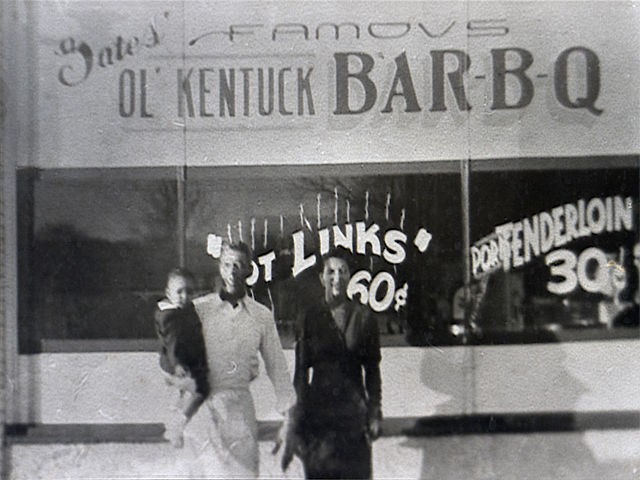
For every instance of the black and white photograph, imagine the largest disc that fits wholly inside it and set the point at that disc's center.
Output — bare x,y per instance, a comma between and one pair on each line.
320,239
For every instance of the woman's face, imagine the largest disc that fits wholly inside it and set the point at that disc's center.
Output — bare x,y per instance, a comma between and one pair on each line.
335,278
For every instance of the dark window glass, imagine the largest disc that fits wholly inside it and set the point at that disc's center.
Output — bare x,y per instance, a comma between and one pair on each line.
269,208
95,247
553,251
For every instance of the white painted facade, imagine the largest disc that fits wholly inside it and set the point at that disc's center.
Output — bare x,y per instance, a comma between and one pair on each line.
58,388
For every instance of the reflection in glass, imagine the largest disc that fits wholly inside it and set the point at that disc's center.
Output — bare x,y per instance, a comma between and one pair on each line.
294,218
552,252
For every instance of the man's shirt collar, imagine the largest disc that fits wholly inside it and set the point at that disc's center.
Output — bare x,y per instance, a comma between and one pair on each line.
232,299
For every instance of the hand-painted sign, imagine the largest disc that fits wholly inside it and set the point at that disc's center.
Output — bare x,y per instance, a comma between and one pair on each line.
515,244
364,238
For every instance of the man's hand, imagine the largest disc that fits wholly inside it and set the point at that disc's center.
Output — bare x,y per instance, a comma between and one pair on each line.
280,438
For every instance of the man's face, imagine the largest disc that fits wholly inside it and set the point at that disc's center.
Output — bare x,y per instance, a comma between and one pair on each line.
178,291
335,278
234,270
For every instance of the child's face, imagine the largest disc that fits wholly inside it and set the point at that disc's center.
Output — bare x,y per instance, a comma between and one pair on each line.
178,291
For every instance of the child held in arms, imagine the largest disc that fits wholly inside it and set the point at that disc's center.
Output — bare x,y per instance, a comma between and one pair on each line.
182,352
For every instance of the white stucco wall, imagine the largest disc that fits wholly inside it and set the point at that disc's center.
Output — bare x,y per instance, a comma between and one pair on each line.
128,387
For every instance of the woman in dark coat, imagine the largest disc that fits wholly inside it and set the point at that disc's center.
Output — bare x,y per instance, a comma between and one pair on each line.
337,380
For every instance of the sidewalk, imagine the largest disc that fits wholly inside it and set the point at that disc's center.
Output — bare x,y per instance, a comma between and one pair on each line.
587,455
